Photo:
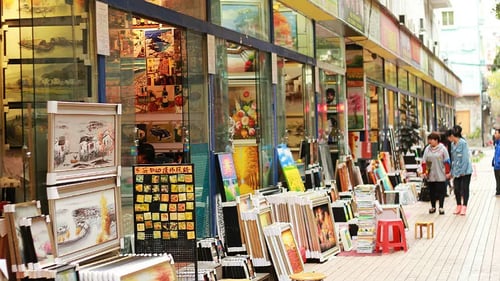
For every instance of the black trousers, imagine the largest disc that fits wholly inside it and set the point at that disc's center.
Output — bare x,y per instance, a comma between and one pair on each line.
437,192
461,186
497,178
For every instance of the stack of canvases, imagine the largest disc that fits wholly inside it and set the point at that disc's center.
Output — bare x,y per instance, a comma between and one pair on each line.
254,220
129,268
284,250
310,214
31,243
82,224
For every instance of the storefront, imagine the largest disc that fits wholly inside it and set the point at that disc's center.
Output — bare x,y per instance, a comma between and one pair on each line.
249,77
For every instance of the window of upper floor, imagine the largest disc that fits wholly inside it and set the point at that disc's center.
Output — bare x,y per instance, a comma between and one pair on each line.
447,18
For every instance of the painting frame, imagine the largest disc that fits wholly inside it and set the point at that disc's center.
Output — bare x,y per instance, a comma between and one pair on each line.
323,206
290,249
243,107
345,237
356,103
43,240
77,216
15,213
228,8
97,145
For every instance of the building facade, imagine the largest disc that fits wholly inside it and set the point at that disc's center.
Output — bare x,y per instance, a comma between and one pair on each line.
469,59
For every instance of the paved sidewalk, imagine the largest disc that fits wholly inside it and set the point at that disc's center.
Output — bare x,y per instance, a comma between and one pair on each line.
463,247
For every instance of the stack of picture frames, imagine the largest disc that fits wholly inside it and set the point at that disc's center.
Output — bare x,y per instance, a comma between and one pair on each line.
315,226
284,250
83,226
32,247
31,244
310,214
254,221
129,268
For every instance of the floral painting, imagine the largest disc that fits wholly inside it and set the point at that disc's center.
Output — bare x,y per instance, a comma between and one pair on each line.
356,108
243,107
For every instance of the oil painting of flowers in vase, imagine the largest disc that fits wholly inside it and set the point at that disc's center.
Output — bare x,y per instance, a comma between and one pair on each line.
243,108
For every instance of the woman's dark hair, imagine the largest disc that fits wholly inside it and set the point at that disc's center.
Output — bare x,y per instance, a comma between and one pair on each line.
457,131
449,132
434,136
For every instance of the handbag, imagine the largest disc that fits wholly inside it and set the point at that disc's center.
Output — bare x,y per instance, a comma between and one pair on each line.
424,192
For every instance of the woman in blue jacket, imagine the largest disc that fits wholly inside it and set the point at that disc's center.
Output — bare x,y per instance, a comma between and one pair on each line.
461,171
496,160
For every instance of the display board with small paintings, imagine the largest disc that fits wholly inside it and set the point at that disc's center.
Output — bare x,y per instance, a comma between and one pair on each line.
164,207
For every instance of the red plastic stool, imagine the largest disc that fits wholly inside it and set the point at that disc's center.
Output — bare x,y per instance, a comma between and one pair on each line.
398,235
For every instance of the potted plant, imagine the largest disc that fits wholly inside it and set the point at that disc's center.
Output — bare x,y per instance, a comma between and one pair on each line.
408,132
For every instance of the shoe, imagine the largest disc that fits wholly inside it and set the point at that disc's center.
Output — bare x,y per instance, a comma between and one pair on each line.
441,211
463,211
458,210
432,210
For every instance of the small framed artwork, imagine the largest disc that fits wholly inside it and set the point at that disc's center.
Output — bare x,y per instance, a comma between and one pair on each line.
15,214
43,239
325,226
85,218
245,17
228,176
84,141
345,237
356,104
289,245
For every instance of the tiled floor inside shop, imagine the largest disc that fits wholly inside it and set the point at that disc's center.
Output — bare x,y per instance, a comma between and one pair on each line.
463,247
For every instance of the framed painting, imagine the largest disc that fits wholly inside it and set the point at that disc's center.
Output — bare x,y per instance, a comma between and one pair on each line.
84,141
296,132
43,239
356,105
289,245
325,227
15,214
85,218
290,170
273,246
246,165
345,237
228,176
49,42
343,177
243,109
245,17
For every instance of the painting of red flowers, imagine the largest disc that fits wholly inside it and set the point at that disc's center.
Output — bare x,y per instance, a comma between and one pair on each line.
243,110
